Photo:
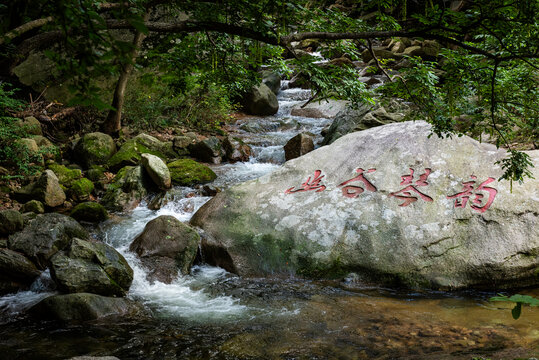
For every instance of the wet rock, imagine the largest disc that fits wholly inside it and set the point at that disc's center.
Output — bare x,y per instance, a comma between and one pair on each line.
208,150
11,221
45,236
33,206
187,172
46,189
299,145
84,307
95,268
129,187
81,189
260,100
323,109
403,218
236,150
210,190
166,241
89,212
16,271
158,171
94,149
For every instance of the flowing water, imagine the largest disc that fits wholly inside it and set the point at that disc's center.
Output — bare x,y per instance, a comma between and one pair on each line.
212,314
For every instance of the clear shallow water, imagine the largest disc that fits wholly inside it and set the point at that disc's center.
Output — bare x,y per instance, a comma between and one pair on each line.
212,314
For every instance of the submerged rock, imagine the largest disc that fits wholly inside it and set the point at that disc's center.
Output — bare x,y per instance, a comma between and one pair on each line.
91,267
45,236
85,307
165,246
390,204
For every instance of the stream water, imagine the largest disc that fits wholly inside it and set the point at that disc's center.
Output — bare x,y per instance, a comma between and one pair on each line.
212,314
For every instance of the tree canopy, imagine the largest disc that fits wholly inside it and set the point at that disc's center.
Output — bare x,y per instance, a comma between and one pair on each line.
484,80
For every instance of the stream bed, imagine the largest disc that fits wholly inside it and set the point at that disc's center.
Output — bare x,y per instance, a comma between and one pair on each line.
212,314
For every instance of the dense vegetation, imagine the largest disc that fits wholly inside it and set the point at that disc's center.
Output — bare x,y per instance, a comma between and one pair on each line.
194,58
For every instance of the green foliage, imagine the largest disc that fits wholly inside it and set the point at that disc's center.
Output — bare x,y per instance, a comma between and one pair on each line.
519,300
516,167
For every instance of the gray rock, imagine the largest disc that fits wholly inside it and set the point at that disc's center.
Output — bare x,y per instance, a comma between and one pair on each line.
46,189
158,171
127,190
46,235
34,206
94,149
208,150
165,246
236,150
260,100
155,145
85,307
323,109
11,221
16,271
299,145
272,81
406,218
93,268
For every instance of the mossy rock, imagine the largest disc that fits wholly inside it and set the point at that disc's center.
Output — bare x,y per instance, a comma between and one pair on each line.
130,155
90,212
95,149
11,221
96,173
33,206
65,176
81,189
189,172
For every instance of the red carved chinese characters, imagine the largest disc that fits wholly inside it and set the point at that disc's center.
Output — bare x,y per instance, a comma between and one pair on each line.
353,191
406,194
310,185
461,199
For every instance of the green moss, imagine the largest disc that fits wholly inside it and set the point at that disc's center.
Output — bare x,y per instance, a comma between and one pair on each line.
81,189
188,172
89,211
96,173
129,154
65,176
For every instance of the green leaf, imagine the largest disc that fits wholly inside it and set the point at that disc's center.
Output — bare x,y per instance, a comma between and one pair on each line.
516,311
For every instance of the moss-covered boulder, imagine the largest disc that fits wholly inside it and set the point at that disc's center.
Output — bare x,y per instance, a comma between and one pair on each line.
130,155
90,212
91,267
33,206
188,172
96,173
94,149
28,151
30,126
81,189
11,221
65,176
129,187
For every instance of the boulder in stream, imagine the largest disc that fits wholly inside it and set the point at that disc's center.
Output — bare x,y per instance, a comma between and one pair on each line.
320,109
390,204
157,169
260,100
166,246
299,145
16,271
95,268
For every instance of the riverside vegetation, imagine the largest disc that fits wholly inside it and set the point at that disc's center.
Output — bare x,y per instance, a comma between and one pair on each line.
109,110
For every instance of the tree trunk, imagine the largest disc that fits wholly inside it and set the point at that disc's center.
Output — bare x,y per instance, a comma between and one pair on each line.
113,123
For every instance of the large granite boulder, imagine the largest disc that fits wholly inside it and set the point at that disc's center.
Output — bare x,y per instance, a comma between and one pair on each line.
260,100
390,204
46,189
320,109
166,246
16,271
45,236
85,307
94,149
95,268
158,171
